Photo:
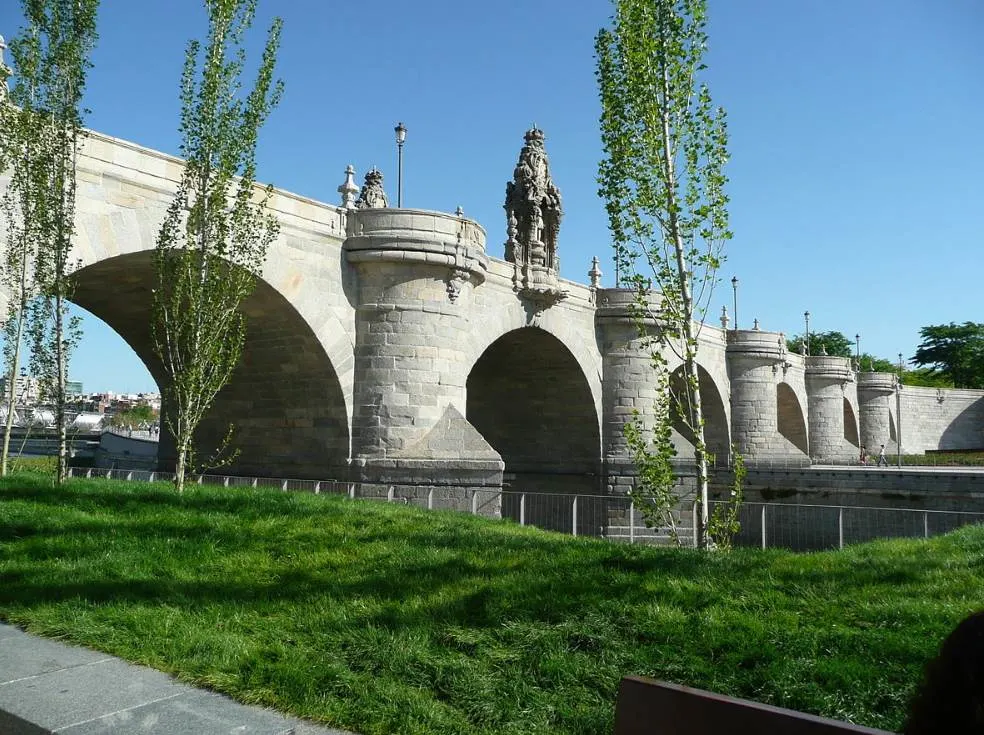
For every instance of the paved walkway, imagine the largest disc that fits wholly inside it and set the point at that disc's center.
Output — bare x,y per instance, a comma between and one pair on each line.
49,687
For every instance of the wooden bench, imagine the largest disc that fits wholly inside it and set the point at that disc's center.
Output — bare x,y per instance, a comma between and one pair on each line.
648,707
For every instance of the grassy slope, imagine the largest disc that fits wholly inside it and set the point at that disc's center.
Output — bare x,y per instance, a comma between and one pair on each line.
389,619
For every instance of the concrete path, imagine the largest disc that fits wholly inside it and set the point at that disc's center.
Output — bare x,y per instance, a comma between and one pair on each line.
49,687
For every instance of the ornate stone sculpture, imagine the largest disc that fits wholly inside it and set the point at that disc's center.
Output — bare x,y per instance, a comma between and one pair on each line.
533,215
372,195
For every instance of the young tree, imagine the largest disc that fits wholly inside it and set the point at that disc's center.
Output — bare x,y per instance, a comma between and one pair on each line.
214,238
45,131
23,214
663,184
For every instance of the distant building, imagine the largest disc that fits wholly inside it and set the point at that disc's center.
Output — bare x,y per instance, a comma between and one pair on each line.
25,389
73,388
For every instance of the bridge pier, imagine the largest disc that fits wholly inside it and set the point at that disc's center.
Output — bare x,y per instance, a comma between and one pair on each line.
827,377
629,388
416,273
875,391
757,366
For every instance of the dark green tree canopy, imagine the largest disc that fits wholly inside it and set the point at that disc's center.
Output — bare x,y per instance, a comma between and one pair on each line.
954,352
831,343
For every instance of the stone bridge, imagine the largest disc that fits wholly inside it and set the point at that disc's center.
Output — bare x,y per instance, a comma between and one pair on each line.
387,345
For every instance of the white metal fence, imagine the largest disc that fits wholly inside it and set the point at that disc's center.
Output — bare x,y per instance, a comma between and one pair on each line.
799,527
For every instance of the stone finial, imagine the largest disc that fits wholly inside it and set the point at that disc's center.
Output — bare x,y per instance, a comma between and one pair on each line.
823,349
725,321
533,213
459,212
803,346
595,273
348,189
755,324
372,195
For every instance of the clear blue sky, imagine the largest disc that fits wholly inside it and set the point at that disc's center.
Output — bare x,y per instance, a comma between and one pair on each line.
855,137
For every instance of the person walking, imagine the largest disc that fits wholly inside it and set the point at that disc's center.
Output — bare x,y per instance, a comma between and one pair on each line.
863,459
882,459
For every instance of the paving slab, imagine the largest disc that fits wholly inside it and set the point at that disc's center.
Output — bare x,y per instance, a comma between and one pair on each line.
48,687
189,713
25,655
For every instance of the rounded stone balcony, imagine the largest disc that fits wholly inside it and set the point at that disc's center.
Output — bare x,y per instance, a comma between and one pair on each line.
756,344
417,236
621,304
876,383
829,367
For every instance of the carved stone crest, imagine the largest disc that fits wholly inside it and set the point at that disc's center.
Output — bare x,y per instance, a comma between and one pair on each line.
456,279
533,213
372,195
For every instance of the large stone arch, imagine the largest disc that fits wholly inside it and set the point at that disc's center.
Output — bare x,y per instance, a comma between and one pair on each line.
790,419
562,324
285,398
528,396
717,434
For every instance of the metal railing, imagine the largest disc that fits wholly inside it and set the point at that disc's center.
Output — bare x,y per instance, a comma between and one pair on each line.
799,527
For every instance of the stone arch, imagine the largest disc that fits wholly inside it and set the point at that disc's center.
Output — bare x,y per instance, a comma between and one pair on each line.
851,425
717,434
789,419
285,397
528,396
556,321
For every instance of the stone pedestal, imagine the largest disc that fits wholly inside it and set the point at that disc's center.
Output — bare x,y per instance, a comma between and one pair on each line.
827,378
416,273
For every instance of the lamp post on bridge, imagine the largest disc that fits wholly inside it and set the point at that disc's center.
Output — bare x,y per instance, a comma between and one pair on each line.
857,350
734,288
401,136
806,315
898,409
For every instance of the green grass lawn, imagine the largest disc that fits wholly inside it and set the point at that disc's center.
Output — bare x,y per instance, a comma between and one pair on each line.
386,619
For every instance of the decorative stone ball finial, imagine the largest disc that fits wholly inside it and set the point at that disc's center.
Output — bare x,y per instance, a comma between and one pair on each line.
725,321
595,273
348,189
459,212
755,325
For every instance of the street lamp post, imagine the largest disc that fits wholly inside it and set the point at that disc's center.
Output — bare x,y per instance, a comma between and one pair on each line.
401,136
898,409
857,350
806,315
734,288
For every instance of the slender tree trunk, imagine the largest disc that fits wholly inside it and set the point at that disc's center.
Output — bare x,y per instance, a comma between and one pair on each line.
60,390
12,393
179,469
691,377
